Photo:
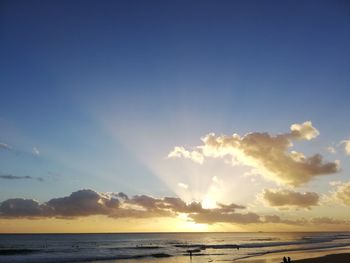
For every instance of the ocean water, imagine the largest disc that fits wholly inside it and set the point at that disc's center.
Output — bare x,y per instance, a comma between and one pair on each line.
205,247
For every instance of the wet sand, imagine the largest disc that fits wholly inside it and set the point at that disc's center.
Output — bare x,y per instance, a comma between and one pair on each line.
336,258
316,256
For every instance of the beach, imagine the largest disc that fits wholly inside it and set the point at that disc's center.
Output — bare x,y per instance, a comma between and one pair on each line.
171,247
316,256
336,258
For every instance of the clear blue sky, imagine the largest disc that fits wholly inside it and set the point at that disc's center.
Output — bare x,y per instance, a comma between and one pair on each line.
161,73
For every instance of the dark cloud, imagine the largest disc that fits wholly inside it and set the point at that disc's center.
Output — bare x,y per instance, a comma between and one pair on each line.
288,198
87,202
14,177
83,203
79,203
19,207
122,196
211,216
230,207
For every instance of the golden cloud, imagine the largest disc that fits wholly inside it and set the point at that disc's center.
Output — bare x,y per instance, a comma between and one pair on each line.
347,146
268,154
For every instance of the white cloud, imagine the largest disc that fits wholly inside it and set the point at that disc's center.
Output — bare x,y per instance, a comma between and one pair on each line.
335,183
182,152
347,146
331,149
304,130
182,185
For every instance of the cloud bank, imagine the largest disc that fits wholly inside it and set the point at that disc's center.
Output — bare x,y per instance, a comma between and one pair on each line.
269,154
88,202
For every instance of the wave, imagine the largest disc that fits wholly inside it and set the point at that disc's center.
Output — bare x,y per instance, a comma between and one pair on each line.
8,252
302,241
56,258
67,250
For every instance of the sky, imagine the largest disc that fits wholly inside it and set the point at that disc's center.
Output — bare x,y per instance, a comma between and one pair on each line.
131,116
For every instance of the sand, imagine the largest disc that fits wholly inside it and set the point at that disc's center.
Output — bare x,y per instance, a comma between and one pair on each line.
333,258
336,258
340,255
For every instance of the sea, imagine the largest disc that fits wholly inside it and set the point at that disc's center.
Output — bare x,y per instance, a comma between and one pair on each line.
161,247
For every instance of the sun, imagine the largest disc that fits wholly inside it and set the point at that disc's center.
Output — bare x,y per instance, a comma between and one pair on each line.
208,202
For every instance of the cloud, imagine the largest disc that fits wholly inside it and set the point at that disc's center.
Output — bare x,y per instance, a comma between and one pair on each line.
225,214
274,219
335,183
83,203
182,152
304,131
182,185
79,203
331,149
306,222
13,177
282,198
35,151
222,214
328,221
217,216
5,146
266,153
342,193
347,146
88,202
19,207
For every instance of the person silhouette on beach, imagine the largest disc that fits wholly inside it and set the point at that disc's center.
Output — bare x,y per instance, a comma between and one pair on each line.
285,260
190,252
289,260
